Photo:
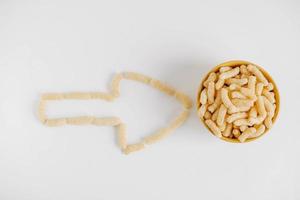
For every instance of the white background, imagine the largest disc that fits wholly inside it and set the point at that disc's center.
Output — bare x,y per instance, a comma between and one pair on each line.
67,45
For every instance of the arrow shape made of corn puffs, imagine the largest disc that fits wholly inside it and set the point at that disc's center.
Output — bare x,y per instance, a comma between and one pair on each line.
115,121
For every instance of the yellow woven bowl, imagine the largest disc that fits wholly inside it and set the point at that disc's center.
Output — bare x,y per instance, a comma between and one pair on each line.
238,63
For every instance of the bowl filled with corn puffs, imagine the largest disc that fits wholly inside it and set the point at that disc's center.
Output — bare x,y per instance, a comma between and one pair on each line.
238,101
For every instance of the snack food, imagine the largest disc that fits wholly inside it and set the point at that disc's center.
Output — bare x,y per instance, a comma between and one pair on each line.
245,100
115,121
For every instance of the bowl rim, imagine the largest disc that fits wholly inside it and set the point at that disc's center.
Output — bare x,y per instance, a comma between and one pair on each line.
233,63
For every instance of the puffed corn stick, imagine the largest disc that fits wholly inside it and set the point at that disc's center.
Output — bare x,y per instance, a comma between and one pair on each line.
254,70
237,81
133,147
253,113
219,84
269,107
102,96
55,122
122,140
237,95
52,96
207,115
242,102
259,131
259,88
231,73
77,95
248,92
257,120
202,110
136,77
241,122
243,128
252,83
228,130
268,122
41,111
215,114
224,69
222,127
203,96
106,121
245,76
270,87
221,115
115,85
82,120
216,103
260,106
242,109
226,101
211,78
246,134
234,86
270,95
244,70
236,116
211,92
213,127
236,133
